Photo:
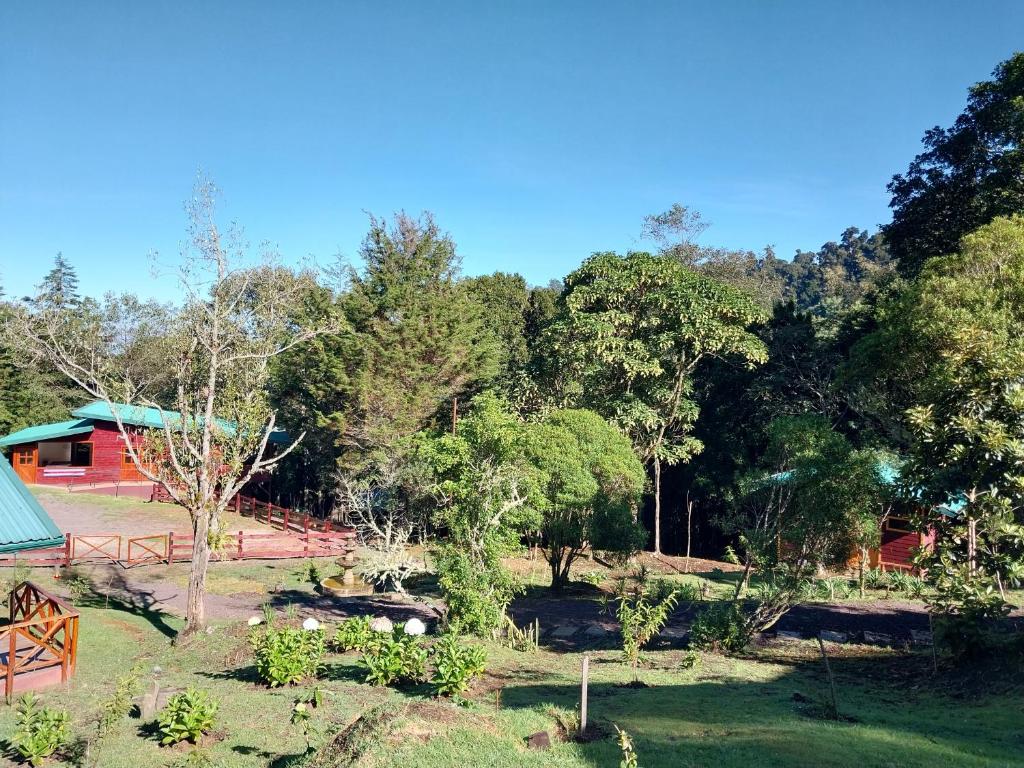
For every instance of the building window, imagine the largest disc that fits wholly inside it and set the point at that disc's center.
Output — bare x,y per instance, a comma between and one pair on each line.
898,525
25,457
81,454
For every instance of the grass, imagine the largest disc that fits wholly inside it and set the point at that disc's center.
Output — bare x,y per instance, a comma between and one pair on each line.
764,709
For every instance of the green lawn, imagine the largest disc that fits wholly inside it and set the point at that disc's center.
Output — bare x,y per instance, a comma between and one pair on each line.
725,712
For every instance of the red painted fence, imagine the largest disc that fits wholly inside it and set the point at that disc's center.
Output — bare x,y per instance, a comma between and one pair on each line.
173,547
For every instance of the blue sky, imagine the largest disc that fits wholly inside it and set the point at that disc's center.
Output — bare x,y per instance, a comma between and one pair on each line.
537,132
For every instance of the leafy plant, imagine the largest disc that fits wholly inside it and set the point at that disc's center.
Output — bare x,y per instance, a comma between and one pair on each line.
476,594
641,618
593,578
874,578
625,742
117,707
187,716
455,665
353,633
287,655
394,658
39,731
719,627
313,573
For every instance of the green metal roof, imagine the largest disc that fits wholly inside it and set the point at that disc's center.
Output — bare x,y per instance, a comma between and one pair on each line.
142,416
24,524
47,432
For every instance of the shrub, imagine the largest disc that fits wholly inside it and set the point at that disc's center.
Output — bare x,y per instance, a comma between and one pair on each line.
287,655
394,658
455,665
187,716
476,596
906,584
719,627
117,707
593,578
641,618
39,731
353,633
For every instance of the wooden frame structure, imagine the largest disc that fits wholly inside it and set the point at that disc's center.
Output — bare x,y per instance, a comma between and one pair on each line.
42,634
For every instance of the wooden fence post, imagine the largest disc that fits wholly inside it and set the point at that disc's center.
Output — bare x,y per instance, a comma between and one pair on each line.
583,694
305,541
241,547
170,547
286,511
67,549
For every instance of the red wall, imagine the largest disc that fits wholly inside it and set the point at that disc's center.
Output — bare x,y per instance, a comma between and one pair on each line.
106,456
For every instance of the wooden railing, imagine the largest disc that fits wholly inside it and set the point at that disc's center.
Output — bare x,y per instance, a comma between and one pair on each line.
174,547
42,634
274,515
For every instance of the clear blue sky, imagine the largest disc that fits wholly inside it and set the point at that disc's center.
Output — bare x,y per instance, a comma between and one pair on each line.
537,132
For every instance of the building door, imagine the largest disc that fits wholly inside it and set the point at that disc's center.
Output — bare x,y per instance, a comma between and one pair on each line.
25,462
129,472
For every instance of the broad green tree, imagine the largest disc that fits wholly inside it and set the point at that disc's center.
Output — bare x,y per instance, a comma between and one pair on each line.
633,330
966,320
588,483
967,174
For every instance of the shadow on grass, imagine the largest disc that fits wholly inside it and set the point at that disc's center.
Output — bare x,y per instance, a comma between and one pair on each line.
118,594
884,718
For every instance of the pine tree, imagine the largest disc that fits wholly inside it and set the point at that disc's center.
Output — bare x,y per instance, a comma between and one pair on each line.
59,288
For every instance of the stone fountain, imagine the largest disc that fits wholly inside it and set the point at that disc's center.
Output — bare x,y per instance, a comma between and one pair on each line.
345,584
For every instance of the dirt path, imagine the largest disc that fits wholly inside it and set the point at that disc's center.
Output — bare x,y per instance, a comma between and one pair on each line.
568,623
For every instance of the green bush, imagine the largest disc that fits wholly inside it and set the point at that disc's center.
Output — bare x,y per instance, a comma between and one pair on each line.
719,627
476,597
455,665
353,634
187,716
287,655
394,658
39,731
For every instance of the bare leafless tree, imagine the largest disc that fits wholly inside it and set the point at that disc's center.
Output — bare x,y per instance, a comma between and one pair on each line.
216,431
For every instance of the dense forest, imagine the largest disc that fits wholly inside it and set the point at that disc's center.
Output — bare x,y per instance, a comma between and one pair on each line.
665,383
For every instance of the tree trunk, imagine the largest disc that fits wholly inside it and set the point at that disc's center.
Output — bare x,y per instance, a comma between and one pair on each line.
689,536
657,506
743,580
863,573
195,607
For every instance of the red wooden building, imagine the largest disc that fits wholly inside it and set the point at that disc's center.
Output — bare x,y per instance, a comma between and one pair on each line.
89,449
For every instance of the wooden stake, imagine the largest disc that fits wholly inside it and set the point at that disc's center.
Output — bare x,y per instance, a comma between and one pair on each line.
583,695
831,680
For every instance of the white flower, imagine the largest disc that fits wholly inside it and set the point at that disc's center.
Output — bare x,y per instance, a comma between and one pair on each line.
255,620
415,627
311,624
382,624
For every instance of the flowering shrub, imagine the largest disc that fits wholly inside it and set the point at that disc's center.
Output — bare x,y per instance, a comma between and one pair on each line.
382,624
415,627
455,665
394,658
353,634
287,655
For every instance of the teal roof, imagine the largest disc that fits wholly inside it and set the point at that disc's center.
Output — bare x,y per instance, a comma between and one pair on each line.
142,416
47,432
24,524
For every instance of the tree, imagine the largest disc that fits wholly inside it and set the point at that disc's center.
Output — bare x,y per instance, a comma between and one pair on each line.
588,485
803,507
967,175
506,301
219,346
966,319
485,492
632,333
59,288
420,339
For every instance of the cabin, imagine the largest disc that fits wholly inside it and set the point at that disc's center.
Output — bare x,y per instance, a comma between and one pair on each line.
899,540
39,636
89,449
